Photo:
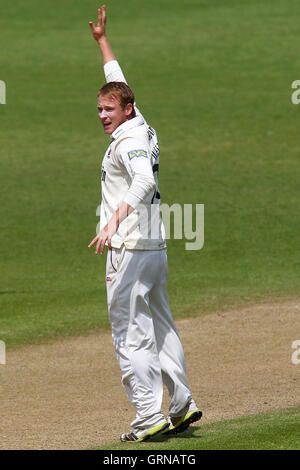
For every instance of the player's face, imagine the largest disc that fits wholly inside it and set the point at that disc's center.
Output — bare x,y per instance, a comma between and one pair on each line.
111,113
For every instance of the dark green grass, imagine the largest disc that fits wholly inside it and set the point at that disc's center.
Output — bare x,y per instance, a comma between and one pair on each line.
277,430
214,78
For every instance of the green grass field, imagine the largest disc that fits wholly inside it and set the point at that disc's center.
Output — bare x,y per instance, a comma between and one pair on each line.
214,78
267,431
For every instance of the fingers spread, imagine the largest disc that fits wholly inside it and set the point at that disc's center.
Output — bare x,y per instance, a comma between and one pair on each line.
92,25
92,242
104,14
100,245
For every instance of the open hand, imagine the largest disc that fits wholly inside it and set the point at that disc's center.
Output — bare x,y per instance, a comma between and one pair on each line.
99,30
105,236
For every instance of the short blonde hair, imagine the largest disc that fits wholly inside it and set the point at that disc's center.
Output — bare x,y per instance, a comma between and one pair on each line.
121,91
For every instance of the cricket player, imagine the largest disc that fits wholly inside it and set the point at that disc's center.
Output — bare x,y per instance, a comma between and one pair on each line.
145,338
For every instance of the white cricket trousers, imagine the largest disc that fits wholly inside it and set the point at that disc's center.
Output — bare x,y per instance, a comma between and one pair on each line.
145,338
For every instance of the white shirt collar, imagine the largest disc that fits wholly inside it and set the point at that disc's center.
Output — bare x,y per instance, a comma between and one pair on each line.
134,122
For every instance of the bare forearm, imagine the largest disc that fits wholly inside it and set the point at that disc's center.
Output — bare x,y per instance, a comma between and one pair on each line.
106,51
122,212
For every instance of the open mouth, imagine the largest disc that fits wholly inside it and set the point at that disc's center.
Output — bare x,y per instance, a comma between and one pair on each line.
106,125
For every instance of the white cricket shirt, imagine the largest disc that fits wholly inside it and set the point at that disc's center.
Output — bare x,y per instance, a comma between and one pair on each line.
130,174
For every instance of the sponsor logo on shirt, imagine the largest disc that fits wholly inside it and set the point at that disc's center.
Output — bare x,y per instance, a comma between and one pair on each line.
137,153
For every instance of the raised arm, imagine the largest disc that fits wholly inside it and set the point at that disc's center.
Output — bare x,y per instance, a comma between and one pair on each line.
99,33
112,69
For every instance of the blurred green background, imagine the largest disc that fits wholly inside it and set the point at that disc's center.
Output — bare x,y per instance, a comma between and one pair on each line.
214,78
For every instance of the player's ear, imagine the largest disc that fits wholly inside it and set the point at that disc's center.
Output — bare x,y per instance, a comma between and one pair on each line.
128,110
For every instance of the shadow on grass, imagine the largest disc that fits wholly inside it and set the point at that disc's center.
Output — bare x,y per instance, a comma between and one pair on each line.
192,431
8,292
